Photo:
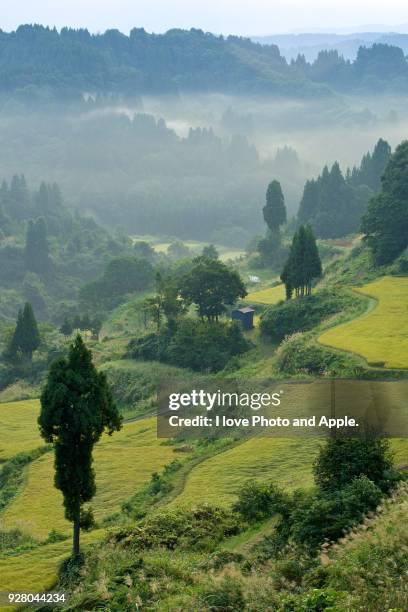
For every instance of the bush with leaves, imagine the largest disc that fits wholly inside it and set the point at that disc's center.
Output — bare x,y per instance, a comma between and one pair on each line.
292,316
202,527
258,501
299,354
222,596
198,345
342,459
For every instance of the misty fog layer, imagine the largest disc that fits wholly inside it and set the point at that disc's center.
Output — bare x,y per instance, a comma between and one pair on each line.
193,166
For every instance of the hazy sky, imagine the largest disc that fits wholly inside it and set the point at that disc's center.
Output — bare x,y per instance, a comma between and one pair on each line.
225,16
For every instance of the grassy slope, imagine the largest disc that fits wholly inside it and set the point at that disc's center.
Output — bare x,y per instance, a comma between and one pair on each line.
371,564
382,334
18,430
123,462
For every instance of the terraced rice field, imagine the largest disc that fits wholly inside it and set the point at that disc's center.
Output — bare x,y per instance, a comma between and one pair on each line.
123,462
36,570
381,335
18,428
285,461
270,296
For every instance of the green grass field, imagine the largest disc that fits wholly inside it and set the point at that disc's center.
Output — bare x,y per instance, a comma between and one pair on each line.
381,335
18,428
123,462
269,296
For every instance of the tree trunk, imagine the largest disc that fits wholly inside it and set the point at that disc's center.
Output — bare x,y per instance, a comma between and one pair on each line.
75,539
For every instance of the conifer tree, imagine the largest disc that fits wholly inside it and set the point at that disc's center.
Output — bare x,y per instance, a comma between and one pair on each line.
26,337
303,264
76,408
274,211
385,223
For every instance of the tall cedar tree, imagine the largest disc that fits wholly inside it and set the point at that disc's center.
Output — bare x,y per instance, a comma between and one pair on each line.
26,337
76,408
385,224
211,285
303,264
274,211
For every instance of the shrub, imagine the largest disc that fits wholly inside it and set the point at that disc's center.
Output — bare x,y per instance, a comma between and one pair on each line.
328,517
258,501
316,600
299,354
205,347
56,536
343,458
195,344
301,314
224,596
202,527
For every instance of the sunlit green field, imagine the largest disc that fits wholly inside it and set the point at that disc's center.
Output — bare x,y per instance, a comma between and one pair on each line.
380,336
18,428
123,463
270,296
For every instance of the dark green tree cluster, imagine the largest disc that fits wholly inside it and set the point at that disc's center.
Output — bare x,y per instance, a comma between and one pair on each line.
26,337
166,302
62,249
291,316
76,408
84,323
385,224
303,265
144,250
211,286
122,276
372,167
195,344
330,205
333,204
204,344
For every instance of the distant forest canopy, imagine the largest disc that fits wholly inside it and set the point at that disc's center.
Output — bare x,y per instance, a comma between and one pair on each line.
334,204
37,61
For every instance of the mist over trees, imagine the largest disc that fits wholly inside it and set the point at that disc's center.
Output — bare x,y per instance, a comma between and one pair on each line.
333,204
385,224
47,251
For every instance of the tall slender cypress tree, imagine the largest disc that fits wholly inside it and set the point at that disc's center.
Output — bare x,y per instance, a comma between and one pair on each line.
274,211
26,337
76,408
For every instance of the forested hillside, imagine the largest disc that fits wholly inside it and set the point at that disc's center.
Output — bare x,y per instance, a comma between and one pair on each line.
38,61
46,250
